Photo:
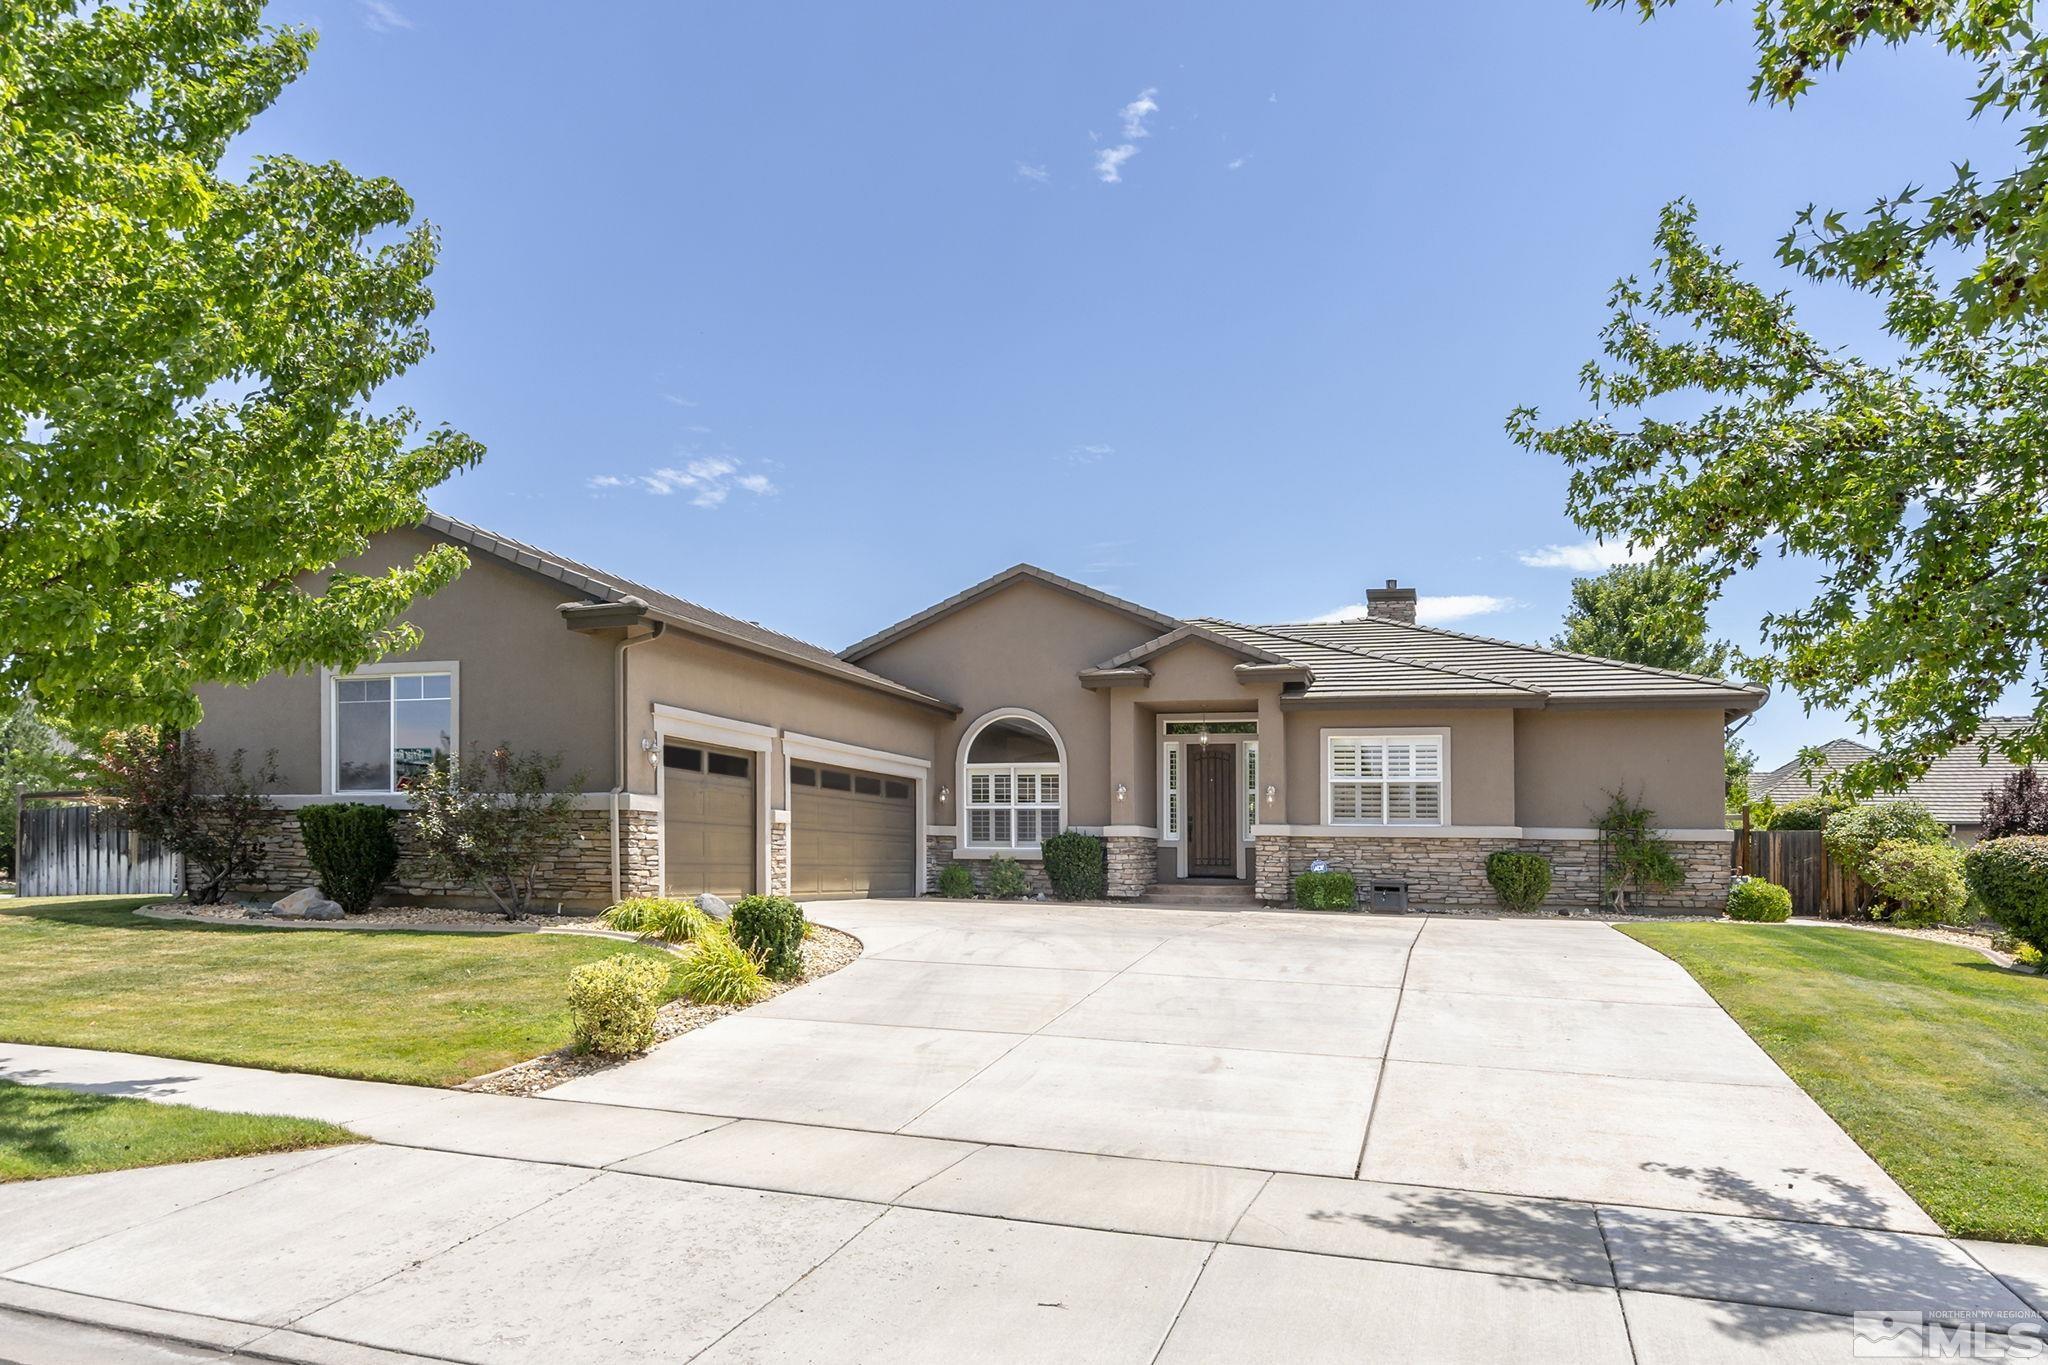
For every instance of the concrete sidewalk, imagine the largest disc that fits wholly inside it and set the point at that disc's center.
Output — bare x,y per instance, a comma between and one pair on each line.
1004,1173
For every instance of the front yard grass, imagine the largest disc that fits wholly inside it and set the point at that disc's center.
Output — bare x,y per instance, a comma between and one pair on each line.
47,1132
1927,1054
429,1009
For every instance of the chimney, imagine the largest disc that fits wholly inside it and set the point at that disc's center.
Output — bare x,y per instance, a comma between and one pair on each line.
1391,603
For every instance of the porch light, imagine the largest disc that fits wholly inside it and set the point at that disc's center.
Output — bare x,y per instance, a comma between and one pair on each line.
945,794
1120,791
1269,796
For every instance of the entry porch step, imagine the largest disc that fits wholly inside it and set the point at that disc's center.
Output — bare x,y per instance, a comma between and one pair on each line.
1205,894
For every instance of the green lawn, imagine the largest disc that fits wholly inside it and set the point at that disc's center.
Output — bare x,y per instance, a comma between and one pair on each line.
45,1132
431,1009
1929,1055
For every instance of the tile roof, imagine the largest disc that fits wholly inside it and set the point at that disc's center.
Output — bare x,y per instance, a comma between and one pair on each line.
994,582
603,587
1952,788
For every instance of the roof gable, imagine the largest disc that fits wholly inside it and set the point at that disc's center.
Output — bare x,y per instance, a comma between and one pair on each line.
988,587
1190,633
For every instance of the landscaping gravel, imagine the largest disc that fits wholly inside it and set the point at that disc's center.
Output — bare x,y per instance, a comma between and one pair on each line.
394,916
825,952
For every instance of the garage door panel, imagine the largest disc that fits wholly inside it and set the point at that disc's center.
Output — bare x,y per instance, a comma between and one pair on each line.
708,835
850,837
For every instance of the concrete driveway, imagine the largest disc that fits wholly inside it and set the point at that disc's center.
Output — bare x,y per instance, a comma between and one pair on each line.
1059,1134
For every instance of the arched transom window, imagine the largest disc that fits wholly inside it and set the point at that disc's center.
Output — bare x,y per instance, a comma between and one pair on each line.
1014,785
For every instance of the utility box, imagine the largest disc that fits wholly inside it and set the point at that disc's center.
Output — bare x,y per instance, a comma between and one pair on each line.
1387,897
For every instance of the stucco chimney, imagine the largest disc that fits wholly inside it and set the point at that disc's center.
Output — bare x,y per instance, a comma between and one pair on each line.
1391,603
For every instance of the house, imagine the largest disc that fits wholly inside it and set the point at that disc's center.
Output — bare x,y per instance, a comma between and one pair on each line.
715,754
1953,788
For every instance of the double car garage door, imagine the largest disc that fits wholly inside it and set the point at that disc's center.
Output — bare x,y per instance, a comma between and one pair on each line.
852,833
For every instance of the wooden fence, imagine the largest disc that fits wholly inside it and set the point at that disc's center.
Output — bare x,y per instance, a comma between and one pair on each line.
1797,860
64,846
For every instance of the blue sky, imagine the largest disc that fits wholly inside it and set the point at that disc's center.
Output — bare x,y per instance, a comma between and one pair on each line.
818,313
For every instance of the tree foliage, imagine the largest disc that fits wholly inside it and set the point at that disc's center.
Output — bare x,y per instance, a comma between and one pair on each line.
2018,805
1723,430
176,791
1638,859
1654,614
492,820
33,757
186,367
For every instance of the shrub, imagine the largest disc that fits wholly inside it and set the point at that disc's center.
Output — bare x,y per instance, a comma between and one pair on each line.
1759,901
353,850
2018,805
658,919
1924,882
1521,880
719,972
491,822
1325,891
1808,812
955,881
175,791
1006,880
771,928
612,1003
1639,859
2010,877
1854,834
1077,867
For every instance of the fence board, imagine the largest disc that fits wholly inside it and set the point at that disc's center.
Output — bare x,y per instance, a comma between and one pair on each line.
1797,859
73,848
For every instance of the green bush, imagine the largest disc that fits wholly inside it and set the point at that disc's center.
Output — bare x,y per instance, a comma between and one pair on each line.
1521,880
353,850
657,918
1924,882
1077,867
955,881
1853,835
1638,858
771,930
1808,812
1759,901
719,972
1325,891
2010,877
612,1003
1006,880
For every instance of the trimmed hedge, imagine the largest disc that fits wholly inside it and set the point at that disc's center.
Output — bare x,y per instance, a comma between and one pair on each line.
353,850
612,1003
1758,901
1521,880
1852,836
1077,866
2010,876
1808,812
955,881
1924,882
771,930
1006,880
1325,891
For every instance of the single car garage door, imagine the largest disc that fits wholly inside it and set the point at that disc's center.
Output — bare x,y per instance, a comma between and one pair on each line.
707,816
852,833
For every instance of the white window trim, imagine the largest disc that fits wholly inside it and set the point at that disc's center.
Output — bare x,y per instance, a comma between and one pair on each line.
330,745
1172,768
1443,738
1248,763
961,788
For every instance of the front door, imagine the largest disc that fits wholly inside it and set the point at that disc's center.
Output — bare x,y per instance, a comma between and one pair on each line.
1212,810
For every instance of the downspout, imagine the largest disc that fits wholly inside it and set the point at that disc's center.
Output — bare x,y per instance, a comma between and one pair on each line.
619,718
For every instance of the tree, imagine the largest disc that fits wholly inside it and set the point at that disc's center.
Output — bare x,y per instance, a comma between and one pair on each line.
174,790
492,821
1738,762
1723,430
1654,614
2018,805
186,367
33,757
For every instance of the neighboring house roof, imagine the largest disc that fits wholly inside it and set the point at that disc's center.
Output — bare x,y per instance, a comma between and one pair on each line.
910,625
676,611
1952,788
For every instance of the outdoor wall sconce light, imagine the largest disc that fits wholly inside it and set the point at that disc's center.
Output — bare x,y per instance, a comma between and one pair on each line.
1269,796
945,794
651,749
1120,791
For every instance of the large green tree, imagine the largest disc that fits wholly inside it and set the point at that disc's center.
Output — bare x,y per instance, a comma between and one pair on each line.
1723,431
1653,614
187,367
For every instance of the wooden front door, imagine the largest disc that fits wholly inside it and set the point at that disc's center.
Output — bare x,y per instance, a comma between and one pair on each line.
1212,810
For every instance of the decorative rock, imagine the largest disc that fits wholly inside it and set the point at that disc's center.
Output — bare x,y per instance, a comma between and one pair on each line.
714,906
307,903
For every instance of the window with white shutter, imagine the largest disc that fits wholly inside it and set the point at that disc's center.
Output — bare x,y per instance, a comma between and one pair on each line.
1014,786
1386,779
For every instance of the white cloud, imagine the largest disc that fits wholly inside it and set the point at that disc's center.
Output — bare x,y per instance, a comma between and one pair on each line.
708,480
1136,112
383,17
1109,161
1089,454
1236,163
1037,175
1588,556
1432,611
678,400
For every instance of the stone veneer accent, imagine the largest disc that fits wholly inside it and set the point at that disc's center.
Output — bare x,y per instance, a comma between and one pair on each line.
1133,865
938,851
580,876
1452,872
778,858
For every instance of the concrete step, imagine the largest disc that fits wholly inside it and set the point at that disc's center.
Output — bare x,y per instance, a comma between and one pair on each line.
1196,893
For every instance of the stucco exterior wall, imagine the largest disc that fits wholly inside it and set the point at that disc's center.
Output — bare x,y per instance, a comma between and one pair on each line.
1025,646
526,679
1479,753
1567,761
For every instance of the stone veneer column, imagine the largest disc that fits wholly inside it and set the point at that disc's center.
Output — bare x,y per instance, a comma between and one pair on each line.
1270,880
778,858
1133,864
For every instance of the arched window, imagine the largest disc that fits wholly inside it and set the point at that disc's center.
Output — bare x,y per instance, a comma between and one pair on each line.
1015,779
